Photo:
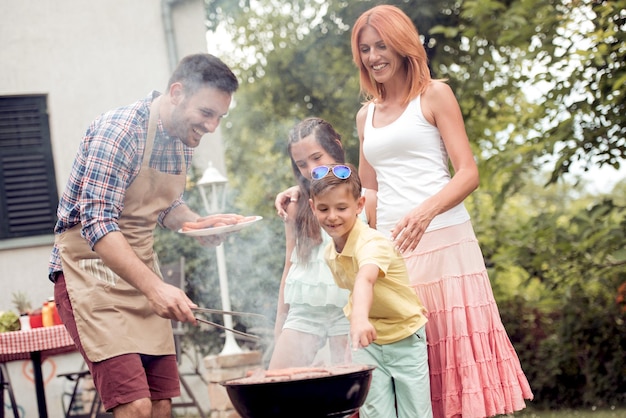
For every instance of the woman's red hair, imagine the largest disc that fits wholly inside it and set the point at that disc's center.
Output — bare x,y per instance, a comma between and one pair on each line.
398,33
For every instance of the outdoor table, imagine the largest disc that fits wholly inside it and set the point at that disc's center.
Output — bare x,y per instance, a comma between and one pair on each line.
33,343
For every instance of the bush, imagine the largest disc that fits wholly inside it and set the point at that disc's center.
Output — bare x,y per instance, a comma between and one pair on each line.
574,355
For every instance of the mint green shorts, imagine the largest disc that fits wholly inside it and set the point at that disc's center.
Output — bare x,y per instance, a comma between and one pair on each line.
401,379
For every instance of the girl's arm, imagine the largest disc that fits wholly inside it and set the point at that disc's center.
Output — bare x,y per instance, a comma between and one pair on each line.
290,243
284,198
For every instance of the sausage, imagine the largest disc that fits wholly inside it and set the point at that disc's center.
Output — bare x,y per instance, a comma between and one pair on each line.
213,221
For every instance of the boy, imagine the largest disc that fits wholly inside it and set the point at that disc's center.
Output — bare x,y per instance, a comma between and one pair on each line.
386,317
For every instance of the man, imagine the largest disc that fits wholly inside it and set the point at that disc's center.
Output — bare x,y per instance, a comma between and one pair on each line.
128,176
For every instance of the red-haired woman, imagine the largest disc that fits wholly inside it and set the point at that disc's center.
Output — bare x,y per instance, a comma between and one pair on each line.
410,128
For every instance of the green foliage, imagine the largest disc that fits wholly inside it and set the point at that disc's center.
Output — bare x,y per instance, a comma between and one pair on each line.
555,273
588,94
574,354
253,269
540,84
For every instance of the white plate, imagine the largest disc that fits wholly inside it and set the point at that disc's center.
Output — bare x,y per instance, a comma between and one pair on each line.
220,229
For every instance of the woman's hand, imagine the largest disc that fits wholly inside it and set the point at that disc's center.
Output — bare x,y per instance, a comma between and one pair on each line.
284,198
409,230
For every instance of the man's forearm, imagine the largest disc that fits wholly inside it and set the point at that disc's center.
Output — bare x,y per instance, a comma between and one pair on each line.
118,255
177,216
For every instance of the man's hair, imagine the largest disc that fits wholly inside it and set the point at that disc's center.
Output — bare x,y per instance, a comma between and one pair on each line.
204,70
323,185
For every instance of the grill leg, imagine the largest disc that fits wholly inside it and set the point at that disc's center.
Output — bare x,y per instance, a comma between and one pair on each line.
192,403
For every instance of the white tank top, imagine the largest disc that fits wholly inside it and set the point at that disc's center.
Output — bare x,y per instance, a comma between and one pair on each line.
411,164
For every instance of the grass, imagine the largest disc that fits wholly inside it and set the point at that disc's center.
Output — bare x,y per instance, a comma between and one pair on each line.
535,413
578,413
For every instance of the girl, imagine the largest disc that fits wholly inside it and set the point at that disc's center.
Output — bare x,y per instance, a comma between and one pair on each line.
310,305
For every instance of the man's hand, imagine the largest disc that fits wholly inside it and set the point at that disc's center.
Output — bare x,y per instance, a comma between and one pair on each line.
214,221
170,302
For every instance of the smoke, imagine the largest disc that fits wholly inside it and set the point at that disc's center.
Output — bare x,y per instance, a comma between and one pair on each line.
254,260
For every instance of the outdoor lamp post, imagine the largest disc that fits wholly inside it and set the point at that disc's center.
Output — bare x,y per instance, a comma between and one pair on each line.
212,187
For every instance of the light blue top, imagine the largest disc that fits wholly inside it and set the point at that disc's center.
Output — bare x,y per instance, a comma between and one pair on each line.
312,283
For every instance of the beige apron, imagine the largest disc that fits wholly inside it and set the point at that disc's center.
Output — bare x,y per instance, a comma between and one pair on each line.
113,317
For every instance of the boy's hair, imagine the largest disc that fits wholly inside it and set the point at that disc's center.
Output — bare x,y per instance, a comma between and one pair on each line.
201,70
329,181
307,228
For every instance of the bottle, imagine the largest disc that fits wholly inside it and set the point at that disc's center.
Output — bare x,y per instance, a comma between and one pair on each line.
35,319
56,319
55,315
47,317
24,322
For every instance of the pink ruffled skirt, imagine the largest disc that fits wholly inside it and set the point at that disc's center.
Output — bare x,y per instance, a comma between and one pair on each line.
474,369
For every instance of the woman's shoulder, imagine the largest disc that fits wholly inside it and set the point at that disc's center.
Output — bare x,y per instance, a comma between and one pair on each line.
361,115
362,112
437,90
436,87
436,98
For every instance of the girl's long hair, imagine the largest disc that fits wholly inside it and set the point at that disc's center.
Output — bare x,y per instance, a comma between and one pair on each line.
398,33
308,234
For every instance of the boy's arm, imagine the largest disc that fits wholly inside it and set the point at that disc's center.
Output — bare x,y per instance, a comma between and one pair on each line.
362,332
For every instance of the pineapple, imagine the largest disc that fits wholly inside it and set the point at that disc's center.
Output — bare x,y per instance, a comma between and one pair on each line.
21,302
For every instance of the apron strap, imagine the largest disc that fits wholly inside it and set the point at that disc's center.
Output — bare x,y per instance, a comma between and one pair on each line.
152,128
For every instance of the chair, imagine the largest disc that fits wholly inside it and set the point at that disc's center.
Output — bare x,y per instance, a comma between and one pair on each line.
5,385
84,401
174,274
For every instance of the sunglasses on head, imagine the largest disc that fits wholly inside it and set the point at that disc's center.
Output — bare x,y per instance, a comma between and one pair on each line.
340,171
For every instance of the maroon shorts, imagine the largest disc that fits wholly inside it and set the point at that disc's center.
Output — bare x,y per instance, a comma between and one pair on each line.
125,378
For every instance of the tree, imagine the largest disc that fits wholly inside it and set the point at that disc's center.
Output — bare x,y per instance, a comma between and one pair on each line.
587,103
539,82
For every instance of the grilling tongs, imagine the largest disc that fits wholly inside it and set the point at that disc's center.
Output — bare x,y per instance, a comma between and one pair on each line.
221,312
218,311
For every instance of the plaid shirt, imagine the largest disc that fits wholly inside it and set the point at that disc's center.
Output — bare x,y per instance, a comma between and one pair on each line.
108,160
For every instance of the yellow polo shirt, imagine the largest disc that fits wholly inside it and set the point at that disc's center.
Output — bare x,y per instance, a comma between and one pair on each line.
397,311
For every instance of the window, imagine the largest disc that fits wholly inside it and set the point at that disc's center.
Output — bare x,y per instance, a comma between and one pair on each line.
28,192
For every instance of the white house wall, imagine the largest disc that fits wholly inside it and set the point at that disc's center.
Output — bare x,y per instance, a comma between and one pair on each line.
87,57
